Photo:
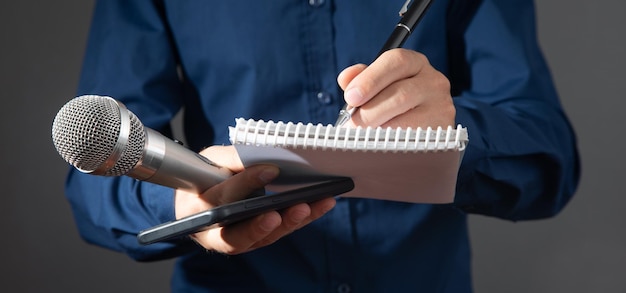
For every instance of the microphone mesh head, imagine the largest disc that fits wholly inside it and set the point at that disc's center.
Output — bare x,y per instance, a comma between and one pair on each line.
86,130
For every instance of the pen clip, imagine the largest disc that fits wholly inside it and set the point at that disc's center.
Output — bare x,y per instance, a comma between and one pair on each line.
404,8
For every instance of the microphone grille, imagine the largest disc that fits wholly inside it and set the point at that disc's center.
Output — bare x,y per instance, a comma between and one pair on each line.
86,131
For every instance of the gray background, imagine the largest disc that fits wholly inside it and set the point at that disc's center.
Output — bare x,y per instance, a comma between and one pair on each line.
581,250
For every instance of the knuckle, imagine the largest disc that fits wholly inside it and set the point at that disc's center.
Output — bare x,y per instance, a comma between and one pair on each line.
362,118
420,58
230,249
450,112
224,248
396,57
404,96
366,83
265,242
441,82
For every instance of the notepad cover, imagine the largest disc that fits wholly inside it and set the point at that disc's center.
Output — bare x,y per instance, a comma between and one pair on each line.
418,166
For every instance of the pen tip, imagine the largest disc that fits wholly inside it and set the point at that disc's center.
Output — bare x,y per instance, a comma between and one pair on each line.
343,118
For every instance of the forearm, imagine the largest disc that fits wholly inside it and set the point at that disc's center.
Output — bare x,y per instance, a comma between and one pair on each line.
522,161
110,211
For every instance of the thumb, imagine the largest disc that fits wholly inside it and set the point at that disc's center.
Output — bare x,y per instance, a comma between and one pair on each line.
224,156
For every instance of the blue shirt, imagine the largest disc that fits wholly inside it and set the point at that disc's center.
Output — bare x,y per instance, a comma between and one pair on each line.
219,60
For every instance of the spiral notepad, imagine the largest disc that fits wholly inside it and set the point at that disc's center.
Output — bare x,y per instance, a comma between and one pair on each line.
409,165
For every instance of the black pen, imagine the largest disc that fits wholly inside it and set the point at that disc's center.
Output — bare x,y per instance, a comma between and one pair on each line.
410,16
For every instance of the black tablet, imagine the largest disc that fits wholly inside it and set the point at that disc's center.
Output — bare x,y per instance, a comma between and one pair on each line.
244,209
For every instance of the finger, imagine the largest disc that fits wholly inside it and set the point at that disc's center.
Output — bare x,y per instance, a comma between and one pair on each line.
300,215
348,74
391,66
433,104
391,102
293,218
262,230
424,117
240,237
297,217
238,187
225,156
429,92
241,185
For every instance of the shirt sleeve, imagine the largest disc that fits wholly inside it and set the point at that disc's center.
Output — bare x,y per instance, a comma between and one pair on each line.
522,160
128,57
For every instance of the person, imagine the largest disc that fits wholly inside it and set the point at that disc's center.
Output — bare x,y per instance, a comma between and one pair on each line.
474,63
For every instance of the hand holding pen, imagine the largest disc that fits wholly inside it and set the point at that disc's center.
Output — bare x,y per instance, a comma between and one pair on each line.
410,16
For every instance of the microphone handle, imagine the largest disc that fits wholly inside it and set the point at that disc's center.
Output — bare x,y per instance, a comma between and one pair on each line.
168,163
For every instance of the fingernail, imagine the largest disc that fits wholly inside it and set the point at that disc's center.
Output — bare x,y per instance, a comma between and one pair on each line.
353,96
268,174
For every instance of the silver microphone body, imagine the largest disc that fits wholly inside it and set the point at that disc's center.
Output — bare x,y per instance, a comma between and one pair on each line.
99,136
168,163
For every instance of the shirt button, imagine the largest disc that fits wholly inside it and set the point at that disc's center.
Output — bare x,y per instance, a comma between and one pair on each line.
324,98
316,3
344,288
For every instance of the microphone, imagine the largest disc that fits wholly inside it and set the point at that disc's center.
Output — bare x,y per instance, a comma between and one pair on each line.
98,135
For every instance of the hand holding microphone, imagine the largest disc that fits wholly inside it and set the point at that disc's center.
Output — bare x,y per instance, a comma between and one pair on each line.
99,136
